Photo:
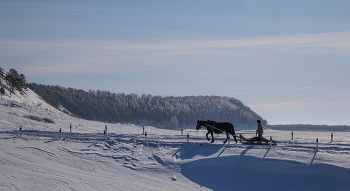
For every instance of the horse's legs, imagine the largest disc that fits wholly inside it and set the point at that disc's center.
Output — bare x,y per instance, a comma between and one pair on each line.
233,132
234,137
227,137
212,136
207,135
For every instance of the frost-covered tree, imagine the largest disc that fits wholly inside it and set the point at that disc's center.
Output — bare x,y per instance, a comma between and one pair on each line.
174,120
110,107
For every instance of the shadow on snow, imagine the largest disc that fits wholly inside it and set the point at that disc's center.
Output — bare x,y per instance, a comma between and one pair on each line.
247,173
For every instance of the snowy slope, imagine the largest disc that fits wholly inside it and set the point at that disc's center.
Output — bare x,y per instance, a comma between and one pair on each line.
40,158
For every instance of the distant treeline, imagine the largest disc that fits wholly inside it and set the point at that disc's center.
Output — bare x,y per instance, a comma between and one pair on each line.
157,110
307,127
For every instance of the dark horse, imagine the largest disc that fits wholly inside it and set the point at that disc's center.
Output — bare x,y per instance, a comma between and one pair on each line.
218,128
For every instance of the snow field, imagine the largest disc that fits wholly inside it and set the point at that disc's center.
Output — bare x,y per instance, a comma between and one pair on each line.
36,159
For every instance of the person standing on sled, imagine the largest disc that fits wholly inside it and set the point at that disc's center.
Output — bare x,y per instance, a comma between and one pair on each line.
260,130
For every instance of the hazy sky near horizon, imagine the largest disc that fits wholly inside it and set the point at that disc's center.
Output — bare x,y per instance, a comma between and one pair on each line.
287,60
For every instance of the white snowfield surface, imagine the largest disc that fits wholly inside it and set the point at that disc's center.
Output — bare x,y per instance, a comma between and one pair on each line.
40,158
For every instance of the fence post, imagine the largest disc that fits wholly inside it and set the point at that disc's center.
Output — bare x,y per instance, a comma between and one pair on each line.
188,137
143,130
182,132
104,134
70,128
270,141
60,134
292,135
20,131
331,137
146,136
106,129
316,144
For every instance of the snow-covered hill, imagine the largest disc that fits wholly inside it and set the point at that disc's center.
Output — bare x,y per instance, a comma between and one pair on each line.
41,158
181,111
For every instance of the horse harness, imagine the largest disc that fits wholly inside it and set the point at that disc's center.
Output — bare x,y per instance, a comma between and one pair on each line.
213,127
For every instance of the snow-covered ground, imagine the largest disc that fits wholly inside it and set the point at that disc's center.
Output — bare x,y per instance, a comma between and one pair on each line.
40,158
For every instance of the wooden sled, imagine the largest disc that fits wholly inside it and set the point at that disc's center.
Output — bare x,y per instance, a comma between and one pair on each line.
256,141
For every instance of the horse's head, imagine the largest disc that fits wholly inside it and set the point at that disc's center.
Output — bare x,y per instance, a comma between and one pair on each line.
199,124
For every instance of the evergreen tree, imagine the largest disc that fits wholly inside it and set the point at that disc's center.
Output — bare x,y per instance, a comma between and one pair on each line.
16,81
2,74
2,91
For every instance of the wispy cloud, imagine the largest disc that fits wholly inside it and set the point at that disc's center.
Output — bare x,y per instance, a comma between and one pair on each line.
54,8
266,91
94,53
338,41
294,106
333,41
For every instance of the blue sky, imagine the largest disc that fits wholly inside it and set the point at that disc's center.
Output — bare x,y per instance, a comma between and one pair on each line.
288,61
